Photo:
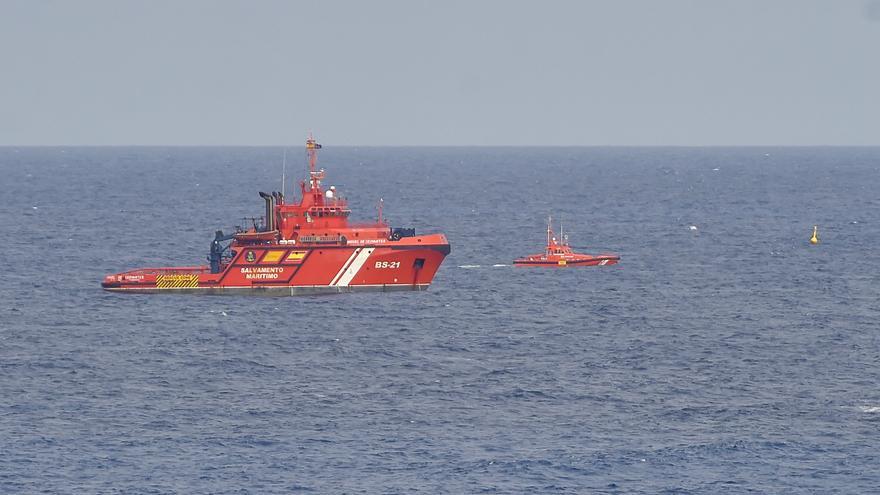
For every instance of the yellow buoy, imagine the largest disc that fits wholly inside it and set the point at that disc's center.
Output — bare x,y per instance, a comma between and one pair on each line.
815,238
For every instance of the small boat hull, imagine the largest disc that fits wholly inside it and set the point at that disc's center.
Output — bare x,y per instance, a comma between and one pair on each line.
602,260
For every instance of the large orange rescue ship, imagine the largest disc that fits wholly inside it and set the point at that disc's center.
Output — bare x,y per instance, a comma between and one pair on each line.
304,248
558,254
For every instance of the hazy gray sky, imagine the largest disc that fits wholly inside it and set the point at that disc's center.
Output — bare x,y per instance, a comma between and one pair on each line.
614,72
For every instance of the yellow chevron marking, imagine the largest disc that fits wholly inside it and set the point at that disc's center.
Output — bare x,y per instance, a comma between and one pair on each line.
177,280
296,255
272,257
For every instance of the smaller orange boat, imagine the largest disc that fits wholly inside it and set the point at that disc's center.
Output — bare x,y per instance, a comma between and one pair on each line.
559,254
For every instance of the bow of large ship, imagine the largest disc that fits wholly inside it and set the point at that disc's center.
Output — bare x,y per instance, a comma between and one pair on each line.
307,247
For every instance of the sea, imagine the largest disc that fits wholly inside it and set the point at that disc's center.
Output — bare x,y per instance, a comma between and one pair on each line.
725,354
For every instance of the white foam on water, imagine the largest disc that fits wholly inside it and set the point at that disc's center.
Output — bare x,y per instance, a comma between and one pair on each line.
468,266
869,409
499,265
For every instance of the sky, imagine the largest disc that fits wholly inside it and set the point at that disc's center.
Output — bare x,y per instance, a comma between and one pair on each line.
415,72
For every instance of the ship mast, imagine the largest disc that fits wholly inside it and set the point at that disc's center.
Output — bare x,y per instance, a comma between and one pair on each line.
561,234
315,175
283,170
549,232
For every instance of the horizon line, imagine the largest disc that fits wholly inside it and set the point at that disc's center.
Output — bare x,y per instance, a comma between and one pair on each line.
442,145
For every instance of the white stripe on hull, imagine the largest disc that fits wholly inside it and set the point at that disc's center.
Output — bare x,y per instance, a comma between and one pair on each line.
354,267
344,266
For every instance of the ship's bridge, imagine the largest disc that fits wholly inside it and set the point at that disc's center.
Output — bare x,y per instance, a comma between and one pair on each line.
329,211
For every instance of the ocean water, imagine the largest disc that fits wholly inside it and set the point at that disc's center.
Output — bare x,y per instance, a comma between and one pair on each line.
723,355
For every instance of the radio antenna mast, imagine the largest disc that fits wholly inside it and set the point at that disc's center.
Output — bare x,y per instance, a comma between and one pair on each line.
283,170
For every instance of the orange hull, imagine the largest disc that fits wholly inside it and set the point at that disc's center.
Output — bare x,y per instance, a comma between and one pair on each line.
408,264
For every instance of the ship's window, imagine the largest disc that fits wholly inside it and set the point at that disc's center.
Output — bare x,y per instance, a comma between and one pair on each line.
419,263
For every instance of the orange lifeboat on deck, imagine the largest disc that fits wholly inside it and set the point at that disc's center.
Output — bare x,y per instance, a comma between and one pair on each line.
256,237
559,254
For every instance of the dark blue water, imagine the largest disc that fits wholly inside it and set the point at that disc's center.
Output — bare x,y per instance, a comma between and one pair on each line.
732,358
